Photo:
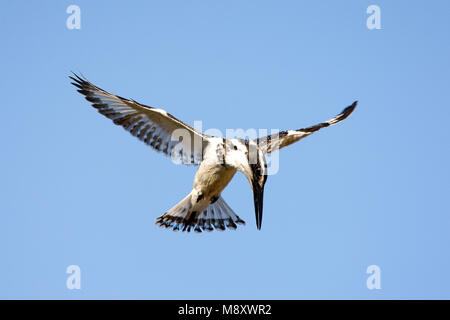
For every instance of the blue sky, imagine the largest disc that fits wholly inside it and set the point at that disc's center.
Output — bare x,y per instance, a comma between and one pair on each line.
77,190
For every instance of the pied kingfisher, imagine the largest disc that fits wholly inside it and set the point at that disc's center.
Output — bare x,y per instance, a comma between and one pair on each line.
218,158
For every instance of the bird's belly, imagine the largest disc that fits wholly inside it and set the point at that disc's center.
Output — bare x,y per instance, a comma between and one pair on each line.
212,178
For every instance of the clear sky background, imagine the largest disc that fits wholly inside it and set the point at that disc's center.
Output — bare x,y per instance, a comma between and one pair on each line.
373,190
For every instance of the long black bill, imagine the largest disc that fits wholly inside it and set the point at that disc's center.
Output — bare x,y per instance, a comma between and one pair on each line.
258,194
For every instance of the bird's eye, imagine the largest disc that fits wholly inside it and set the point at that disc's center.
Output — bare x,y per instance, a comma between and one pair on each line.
234,147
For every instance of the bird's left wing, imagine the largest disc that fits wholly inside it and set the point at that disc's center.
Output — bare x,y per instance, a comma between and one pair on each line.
153,126
282,139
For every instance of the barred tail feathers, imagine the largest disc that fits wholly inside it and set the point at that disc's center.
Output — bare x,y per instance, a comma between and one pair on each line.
217,215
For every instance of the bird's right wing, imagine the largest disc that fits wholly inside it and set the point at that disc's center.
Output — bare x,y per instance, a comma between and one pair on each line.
153,126
282,139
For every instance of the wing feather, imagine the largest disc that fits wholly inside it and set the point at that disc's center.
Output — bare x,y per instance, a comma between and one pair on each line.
151,125
284,138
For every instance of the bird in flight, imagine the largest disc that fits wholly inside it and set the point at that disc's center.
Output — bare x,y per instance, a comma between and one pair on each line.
218,158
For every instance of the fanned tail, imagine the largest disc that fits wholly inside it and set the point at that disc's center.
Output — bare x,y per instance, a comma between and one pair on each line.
217,215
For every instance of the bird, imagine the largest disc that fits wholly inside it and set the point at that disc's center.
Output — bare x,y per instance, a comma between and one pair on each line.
217,158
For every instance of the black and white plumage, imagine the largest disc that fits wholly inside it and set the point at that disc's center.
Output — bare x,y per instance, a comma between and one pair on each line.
218,158
151,125
284,138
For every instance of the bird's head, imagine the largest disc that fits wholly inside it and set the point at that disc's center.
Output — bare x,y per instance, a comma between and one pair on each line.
246,157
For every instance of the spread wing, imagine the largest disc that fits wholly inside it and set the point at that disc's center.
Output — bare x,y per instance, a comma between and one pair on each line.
277,141
153,126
